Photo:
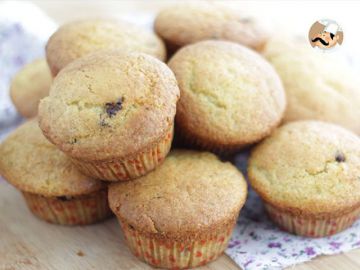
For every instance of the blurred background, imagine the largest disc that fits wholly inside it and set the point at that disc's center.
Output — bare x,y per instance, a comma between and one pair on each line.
290,16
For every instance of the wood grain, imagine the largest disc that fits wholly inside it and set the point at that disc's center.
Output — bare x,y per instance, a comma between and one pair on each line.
28,243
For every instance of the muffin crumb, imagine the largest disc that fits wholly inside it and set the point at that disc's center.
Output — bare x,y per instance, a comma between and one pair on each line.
103,123
80,253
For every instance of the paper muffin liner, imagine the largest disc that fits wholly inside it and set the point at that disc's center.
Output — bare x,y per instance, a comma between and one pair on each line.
170,254
311,227
77,210
194,142
123,170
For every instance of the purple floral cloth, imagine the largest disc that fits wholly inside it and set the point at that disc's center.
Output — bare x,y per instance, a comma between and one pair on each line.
24,29
257,243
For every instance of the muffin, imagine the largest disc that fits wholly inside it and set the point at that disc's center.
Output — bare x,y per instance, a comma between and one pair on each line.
182,214
187,23
230,96
308,175
53,188
29,85
112,113
318,86
79,38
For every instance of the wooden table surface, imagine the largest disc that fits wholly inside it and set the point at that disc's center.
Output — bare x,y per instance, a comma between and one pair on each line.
28,243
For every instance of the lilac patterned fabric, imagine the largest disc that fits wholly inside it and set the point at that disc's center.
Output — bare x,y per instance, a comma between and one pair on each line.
17,48
21,41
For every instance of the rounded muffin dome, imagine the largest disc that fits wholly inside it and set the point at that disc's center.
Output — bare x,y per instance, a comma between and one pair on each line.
29,85
196,187
79,38
317,86
32,164
308,167
230,95
109,105
183,24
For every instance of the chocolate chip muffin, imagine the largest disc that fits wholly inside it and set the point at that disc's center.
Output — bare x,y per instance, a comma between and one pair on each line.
112,113
183,24
308,174
182,214
53,188
230,96
318,86
29,85
76,39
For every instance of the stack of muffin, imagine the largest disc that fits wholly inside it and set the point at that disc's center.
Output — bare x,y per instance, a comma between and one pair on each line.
110,113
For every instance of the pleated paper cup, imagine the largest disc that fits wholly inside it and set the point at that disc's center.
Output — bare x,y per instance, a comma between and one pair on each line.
311,226
77,210
176,254
127,169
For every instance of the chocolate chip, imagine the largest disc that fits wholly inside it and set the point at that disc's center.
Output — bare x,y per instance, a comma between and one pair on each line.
112,108
73,141
131,227
62,198
340,157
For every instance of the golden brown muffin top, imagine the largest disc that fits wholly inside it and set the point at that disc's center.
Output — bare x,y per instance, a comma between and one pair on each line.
29,85
183,24
32,164
230,95
308,167
190,193
318,86
109,105
79,38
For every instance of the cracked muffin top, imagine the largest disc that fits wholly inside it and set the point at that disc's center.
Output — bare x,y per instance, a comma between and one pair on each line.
29,85
109,105
187,23
192,192
310,167
318,86
230,95
79,38
32,164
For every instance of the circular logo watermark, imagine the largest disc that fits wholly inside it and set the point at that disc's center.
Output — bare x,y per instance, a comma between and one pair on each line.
326,35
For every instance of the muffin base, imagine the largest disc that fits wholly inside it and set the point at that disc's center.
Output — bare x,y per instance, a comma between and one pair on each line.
127,169
78,210
171,254
309,226
191,141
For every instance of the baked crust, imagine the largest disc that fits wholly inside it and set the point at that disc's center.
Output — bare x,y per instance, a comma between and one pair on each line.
315,90
230,96
79,38
29,85
203,193
109,105
183,24
308,168
32,164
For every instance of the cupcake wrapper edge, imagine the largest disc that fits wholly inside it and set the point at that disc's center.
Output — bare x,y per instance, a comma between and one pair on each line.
80,210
